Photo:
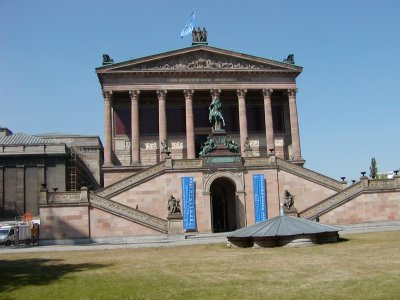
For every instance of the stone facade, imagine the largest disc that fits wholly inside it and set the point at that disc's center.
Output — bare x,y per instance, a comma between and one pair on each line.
30,163
155,120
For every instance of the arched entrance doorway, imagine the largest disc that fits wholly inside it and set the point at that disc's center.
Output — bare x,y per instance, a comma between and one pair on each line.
223,205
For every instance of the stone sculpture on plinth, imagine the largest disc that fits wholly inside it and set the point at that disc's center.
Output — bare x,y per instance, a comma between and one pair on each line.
215,114
288,204
174,216
219,148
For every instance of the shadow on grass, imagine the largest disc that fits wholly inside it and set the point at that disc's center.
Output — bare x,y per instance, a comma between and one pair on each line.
19,273
341,240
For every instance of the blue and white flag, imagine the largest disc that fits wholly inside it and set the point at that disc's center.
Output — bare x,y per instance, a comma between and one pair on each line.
190,24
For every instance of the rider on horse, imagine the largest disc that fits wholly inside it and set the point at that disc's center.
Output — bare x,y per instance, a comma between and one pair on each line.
215,115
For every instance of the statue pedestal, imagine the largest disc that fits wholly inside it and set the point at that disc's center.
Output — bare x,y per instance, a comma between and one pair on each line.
248,152
221,156
175,223
220,138
291,212
165,154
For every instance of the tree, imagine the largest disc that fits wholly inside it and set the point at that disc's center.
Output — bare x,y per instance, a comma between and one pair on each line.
373,169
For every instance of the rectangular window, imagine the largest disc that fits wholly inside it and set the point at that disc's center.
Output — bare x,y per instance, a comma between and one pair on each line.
122,121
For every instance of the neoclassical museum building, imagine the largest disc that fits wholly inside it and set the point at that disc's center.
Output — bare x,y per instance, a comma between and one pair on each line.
171,166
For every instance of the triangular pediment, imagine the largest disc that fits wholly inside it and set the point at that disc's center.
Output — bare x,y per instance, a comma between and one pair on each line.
199,58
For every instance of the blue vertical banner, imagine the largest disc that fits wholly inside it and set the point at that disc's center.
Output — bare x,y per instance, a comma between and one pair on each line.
188,205
260,206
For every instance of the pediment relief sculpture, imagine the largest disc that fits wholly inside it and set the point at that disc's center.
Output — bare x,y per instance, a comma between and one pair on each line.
200,60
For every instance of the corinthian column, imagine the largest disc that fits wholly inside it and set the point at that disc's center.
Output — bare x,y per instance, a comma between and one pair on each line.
294,125
242,118
135,142
162,116
107,129
269,129
190,146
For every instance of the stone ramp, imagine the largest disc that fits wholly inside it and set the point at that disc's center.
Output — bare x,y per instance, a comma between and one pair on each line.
332,202
309,175
363,186
128,213
131,181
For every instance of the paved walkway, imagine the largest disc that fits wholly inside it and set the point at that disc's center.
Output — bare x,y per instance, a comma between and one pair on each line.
170,240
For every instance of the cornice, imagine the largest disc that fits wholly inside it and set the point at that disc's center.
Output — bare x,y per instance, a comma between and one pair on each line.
196,49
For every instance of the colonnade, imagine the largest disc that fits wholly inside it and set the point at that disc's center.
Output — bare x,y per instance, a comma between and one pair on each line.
190,142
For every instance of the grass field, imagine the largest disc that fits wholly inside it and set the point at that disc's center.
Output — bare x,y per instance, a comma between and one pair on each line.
362,266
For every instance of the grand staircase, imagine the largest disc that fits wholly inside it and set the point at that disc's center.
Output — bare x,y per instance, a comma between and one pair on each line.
129,213
363,186
131,181
332,202
101,199
309,175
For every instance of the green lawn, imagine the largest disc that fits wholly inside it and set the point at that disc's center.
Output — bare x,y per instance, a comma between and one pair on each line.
362,266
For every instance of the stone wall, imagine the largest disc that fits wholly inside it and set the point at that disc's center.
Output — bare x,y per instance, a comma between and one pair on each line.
103,224
306,192
367,207
152,196
64,222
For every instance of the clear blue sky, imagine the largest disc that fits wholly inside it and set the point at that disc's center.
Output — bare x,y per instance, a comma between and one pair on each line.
348,99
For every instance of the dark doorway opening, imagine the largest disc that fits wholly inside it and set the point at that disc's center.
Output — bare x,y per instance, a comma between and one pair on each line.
223,205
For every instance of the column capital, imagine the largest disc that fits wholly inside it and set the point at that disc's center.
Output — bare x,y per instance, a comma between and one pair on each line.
267,93
241,93
292,92
188,93
161,94
215,92
107,95
134,94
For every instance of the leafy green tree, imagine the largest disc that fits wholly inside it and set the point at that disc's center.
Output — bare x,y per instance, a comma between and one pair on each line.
373,169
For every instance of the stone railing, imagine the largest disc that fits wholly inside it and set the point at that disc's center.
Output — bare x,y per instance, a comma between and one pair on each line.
64,197
256,161
187,163
364,185
377,184
129,213
309,175
126,183
332,201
